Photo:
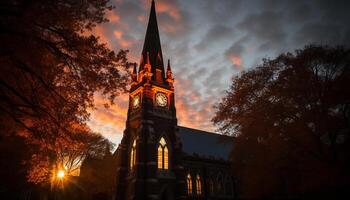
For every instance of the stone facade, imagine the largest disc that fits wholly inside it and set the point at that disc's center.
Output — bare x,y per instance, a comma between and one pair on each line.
146,169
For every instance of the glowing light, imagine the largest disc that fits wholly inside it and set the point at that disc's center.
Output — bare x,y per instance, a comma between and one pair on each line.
60,174
133,155
189,184
163,155
160,157
198,185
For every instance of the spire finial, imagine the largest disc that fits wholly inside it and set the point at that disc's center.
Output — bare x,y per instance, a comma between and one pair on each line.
134,75
134,70
168,68
169,75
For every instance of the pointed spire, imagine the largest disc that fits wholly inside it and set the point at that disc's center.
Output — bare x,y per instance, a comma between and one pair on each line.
168,67
134,73
135,70
152,43
169,75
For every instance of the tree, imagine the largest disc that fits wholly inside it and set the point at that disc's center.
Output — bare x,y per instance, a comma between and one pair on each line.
69,152
98,176
50,70
290,119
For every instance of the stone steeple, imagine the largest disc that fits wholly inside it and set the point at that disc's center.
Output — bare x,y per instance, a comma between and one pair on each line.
152,48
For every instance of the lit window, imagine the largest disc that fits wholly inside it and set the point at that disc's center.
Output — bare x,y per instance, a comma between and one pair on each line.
163,155
160,157
166,160
162,141
189,184
198,185
133,155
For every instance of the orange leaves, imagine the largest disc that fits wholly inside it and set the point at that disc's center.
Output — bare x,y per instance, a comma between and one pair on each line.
39,169
48,79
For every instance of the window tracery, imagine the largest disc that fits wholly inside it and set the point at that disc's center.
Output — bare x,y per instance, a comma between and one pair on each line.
163,155
189,184
198,185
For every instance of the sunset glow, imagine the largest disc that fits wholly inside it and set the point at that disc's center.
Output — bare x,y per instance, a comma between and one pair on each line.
208,43
60,174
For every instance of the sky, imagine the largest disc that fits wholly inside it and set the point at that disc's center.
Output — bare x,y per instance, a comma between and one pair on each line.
210,41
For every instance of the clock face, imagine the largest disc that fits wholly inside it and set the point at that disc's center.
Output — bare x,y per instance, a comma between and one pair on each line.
136,101
161,99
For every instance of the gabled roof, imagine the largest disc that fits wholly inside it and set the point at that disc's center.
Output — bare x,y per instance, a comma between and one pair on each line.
205,144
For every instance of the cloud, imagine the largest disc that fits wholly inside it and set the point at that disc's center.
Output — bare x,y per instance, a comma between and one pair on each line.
234,54
170,7
109,121
191,112
213,36
99,31
236,60
265,27
331,34
113,17
210,41
118,34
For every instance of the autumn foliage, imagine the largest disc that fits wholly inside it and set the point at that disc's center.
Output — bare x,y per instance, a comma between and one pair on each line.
290,120
50,69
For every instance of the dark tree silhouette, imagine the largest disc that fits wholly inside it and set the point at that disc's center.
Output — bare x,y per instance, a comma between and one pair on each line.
50,69
290,119
98,176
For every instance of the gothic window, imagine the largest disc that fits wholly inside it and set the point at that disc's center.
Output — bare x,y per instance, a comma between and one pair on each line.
163,155
211,185
189,184
220,185
198,185
133,155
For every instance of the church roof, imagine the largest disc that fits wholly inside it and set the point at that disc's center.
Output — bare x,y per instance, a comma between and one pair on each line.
205,144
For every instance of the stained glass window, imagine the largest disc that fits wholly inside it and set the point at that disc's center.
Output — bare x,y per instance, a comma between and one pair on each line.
163,155
198,185
189,184
160,157
133,155
166,158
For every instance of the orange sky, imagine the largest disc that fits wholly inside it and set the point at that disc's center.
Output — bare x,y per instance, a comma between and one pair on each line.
111,121
208,42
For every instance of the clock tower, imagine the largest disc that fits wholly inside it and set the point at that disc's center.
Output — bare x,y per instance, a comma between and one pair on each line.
149,156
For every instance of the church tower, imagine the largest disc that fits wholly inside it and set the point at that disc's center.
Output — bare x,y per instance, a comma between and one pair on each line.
149,155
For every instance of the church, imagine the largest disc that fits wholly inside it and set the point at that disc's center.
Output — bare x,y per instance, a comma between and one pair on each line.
157,159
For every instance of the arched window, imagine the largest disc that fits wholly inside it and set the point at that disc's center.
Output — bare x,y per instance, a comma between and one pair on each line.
163,155
198,185
220,184
189,184
211,185
133,155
